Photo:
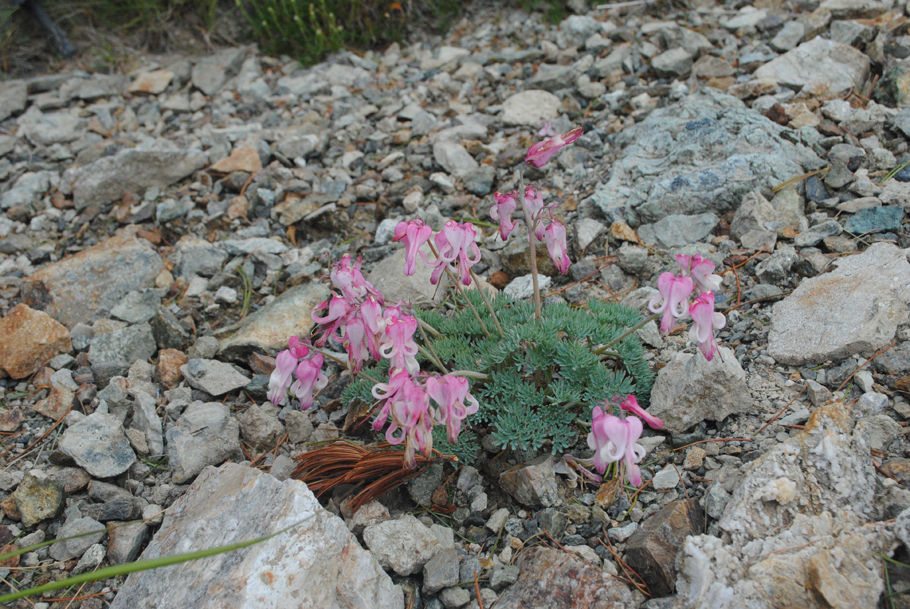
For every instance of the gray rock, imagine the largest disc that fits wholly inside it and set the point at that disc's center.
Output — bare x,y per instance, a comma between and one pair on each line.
672,62
422,487
530,107
147,421
195,256
137,306
205,434
13,95
86,285
453,157
775,269
675,230
666,478
817,233
213,377
91,559
28,190
441,571
126,540
49,128
235,503
403,545
789,36
259,428
522,287
37,497
98,445
213,71
388,277
532,484
72,548
820,66
504,575
872,291
454,597
299,426
552,77
690,389
113,353
157,164
702,154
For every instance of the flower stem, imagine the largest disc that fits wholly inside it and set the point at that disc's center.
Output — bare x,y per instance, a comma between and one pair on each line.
532,248
603,349
428,351
425,326
458,289
487,302
480,376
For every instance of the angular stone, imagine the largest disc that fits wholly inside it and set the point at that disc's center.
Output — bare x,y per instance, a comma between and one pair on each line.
73,548
403,545
30,339
242,158
38,497
702,154
206,434
530,108
651,550
872,292
213,71
820,66
158,164
259,428
126,540
152,82
88,284
13,96
875,220
672,62
552,579
60,398
113,353
691,389
288,315
532,484
453,157
676,230
441,571
168,367
213,377
98,445
316,562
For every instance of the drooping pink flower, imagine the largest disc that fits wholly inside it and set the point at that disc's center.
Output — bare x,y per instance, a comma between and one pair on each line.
704,322
546,129
280,380
413,234
456,249
534,205
630,404
671,300
541,152
297,347
451,393
411,422
338,310
613,439
346,276
310,378
700,270
502,212
397,343
555,238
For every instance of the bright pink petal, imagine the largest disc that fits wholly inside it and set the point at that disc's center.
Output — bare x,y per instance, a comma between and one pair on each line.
630,404
555,238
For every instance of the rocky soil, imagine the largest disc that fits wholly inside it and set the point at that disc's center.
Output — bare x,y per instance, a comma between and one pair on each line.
165,230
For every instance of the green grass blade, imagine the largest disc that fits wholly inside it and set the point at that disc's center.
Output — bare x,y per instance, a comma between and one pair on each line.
139,565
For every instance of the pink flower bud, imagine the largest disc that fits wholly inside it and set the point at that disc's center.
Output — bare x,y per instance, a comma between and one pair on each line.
541,152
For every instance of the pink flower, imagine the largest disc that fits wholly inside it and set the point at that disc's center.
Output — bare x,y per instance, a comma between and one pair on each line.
555,238
630,404
280,380
338,310
704,322
297,348
451,392
455,242
541,152
673,293
502,212
413,234
533,203
546,129
398,343
408,406
613,439
700,270
310,378
348,278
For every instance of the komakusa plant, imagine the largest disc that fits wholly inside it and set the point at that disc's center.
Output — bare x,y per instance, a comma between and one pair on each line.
530,375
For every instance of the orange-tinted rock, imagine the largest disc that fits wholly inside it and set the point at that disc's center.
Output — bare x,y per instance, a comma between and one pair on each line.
169,362
30,339
153,82
243,158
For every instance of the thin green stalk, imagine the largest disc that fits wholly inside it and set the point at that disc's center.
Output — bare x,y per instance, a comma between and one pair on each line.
532,248
139,565
605,348
430,355
428,328
454,281
480,376
486,301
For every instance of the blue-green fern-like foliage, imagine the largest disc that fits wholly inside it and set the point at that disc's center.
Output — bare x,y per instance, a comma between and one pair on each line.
543,376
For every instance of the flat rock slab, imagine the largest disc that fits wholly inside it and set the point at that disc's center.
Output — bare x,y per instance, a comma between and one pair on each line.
702,154
30,339
854,309
205,434
98,445
315,564
133,170
530,108
822,66
288,315
553,579
82,287
212,376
